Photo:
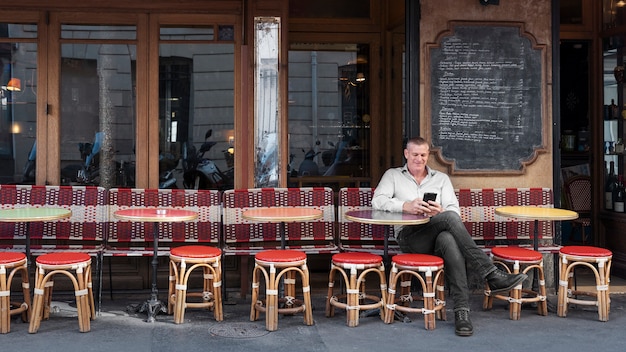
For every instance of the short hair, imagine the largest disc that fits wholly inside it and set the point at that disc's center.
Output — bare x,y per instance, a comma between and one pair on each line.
417,141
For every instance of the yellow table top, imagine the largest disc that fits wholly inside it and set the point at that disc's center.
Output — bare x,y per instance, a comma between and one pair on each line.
536,213
156,214
380,217
31,214
282,214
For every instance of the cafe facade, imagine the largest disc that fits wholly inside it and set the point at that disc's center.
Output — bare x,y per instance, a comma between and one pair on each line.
226,94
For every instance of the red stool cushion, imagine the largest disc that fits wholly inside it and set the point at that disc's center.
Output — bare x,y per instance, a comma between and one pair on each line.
415,259
196,251
63,258
282,256
517,253
357,258
11,257
586,251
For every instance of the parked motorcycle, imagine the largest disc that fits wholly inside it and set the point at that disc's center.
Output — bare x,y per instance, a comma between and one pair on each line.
88,172
202,173
308,167
167,164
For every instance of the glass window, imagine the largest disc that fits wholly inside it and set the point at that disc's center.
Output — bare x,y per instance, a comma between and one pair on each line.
196,110
98,121
18,103
329,116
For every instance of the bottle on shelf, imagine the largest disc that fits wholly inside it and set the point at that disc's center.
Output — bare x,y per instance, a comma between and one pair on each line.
609,187
614,110
620,195
619,146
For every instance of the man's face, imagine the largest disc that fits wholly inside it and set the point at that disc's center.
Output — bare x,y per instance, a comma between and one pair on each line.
416,157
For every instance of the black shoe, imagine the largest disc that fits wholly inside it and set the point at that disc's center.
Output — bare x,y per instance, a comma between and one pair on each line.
462,323
498,280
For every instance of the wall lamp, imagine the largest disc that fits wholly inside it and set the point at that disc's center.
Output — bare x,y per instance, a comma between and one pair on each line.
489,2
14,85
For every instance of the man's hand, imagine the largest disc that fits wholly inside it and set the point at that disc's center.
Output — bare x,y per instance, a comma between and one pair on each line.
419,207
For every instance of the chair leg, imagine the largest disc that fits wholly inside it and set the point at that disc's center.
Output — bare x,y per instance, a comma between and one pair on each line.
254,314
330,309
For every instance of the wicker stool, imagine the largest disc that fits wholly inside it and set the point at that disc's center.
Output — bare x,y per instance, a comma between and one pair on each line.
598,260
360,265
207,258
64,263
288,262
512,260
428,269
14,262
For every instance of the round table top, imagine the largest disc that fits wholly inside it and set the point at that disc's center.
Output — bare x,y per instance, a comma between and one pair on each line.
381,217
282,214
156,214
31,214
536,213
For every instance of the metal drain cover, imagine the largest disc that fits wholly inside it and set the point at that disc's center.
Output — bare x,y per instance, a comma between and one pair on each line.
239,330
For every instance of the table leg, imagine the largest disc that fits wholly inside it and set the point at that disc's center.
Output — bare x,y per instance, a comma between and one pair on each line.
153,306
536,236
28,256
535,284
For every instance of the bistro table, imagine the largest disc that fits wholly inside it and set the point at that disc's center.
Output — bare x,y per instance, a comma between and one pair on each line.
536,213
388,219
155,215
282,215
33,214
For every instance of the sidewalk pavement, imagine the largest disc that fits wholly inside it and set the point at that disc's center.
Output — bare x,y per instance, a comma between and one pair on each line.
118,330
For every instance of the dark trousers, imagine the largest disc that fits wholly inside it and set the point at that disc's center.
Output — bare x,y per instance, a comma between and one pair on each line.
445,236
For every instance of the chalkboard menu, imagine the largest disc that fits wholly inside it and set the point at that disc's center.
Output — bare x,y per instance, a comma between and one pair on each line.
486,98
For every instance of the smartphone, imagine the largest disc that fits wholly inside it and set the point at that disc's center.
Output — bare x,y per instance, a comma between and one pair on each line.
430,196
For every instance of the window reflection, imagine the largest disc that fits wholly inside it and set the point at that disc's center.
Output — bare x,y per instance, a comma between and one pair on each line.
196,110
18,98
98,114
329,116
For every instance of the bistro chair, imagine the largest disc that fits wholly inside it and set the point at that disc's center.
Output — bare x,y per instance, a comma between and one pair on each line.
12,263
276,266
428,271
577,191
77,267
512,260
353,268
183,261
596,259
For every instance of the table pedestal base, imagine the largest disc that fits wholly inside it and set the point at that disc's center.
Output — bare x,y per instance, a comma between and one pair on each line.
152,307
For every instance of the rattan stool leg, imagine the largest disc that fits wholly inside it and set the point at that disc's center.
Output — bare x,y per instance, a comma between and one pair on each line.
180,293
330,309
306,292
254,313
218,310
271,296
5,304
38,298
564,284
171,287
391,296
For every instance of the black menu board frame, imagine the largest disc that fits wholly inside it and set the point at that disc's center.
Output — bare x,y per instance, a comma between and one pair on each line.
487,98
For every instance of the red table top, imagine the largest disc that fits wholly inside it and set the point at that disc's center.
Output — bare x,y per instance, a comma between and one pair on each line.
156,214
